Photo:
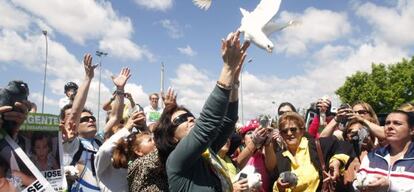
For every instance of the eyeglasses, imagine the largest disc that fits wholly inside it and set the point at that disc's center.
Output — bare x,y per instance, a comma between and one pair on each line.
280,113
154,98
361,112
86,119
181,119
293,130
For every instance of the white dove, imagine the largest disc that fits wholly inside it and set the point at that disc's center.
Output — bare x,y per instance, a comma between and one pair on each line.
254,179
202,4
257,25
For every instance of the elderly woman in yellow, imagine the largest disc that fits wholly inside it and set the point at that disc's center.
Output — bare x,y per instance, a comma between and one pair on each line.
301,157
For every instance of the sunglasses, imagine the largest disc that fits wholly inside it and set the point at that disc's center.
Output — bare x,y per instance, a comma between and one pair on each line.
181,119
293,130
280,113
86,119
361,112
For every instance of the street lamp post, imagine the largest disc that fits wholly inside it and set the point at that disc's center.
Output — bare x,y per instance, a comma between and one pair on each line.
241,91
44,77
162,82
100,54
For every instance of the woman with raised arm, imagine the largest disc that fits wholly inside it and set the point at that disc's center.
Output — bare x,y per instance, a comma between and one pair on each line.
188,147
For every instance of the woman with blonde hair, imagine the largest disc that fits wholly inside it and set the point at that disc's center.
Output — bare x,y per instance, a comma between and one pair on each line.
361,111
301,156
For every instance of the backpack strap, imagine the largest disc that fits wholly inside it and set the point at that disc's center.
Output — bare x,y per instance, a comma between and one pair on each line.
98,142
320,154
78,154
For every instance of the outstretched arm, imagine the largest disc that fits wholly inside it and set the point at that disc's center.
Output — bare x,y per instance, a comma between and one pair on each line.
116,113
72,122
206,128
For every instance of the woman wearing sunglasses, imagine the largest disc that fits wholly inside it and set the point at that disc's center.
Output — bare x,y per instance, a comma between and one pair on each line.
360,111
301,156
188,147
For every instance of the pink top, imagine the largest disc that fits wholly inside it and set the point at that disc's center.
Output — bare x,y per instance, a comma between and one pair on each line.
258,162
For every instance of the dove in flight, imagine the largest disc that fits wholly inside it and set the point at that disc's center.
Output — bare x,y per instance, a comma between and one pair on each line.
202,4
257,25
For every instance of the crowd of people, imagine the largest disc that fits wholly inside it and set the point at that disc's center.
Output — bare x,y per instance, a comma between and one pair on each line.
164,147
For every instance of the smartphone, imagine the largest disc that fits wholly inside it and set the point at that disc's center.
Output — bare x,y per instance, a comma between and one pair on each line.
242,176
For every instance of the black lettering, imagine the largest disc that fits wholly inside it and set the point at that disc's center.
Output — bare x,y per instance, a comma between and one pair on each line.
38,185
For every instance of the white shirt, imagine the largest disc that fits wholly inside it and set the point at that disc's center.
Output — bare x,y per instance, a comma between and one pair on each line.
152,115
110,178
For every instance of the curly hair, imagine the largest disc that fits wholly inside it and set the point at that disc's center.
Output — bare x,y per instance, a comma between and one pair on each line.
164,132
125,149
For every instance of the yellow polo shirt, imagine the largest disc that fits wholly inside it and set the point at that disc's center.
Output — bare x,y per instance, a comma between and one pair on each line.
301,165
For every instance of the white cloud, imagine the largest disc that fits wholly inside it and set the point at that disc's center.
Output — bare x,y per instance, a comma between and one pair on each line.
173,28
125,48
19,21
187,50
391,24
328,70
193,87
94,20
138,93
161,5
316,26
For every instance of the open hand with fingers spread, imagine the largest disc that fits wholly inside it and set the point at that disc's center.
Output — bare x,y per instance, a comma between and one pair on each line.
87,64
170,98
122,78
232,52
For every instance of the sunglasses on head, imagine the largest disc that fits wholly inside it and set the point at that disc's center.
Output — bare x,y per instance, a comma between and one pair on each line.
292,130
86,119
361,112
181,118
280,113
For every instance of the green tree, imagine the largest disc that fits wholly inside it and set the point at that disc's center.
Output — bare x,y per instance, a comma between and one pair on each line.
385,88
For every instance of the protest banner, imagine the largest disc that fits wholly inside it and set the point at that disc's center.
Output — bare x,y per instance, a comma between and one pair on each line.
45,147
21,173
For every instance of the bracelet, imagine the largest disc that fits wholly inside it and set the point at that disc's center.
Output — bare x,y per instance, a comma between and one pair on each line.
224,86
236,84
119,92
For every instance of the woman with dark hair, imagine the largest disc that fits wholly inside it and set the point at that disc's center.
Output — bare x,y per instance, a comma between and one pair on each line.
189,148
360,111
285,107
390,168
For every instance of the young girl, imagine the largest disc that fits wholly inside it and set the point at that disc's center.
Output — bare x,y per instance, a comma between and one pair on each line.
145,172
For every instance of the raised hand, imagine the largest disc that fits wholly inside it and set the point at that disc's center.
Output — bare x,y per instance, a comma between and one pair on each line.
87,64
170,98
232,52
122,78
137,119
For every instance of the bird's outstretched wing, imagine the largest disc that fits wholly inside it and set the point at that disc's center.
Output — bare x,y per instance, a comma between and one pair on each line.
265,11
202,4
271,27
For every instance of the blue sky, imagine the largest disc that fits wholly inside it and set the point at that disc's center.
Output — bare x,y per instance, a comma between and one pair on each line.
335,39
